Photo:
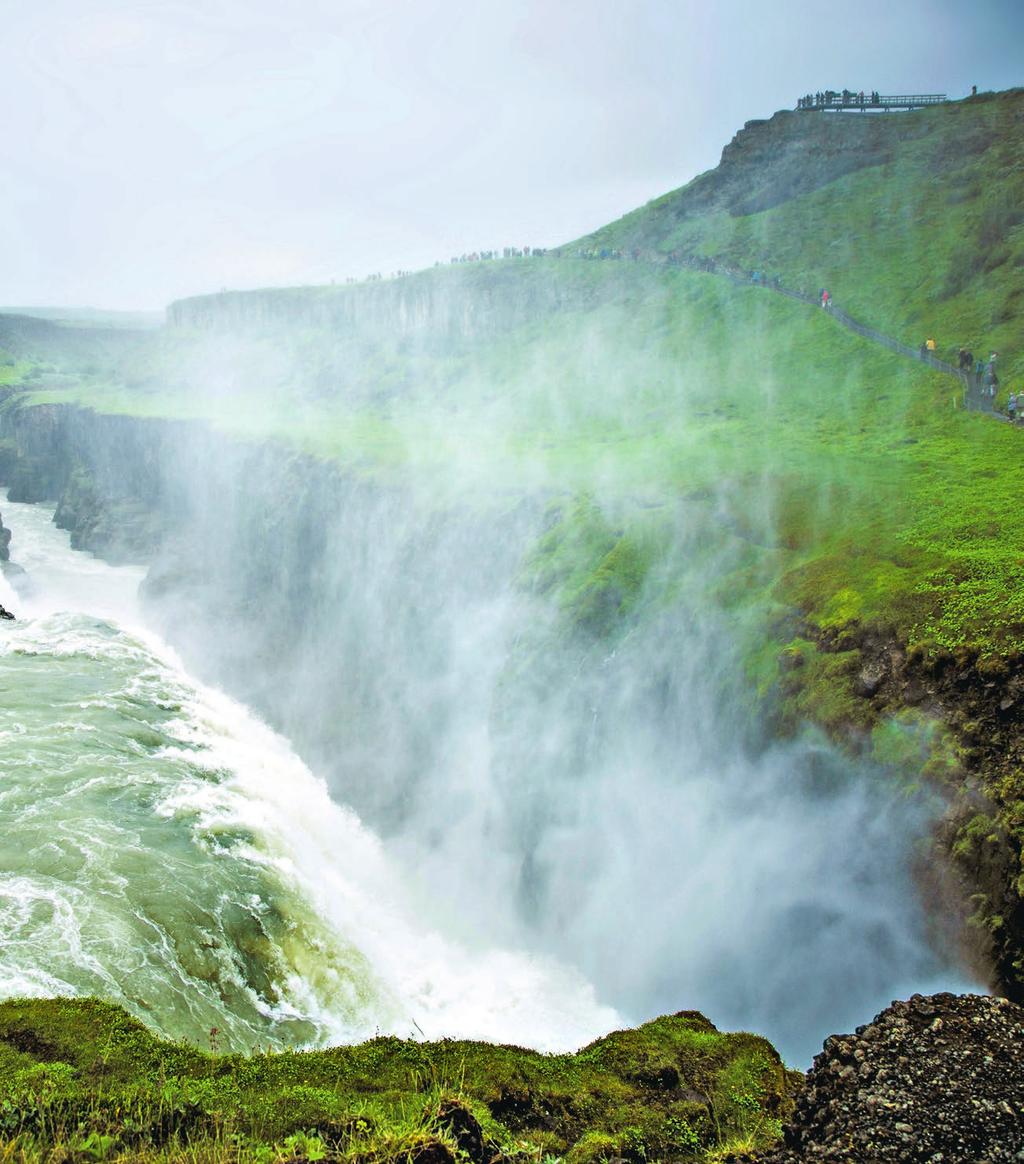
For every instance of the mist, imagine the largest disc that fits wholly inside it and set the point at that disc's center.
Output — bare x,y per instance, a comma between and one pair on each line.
549,774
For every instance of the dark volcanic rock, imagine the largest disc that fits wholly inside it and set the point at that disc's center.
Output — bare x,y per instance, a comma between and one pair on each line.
937,1078
4,613
460,1123
5,542
870,679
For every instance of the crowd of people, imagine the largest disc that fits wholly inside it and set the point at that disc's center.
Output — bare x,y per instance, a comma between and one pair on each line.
980,374
831,99
505,253
762,279
470,257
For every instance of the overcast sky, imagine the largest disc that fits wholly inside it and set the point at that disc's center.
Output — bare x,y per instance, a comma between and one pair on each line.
156,149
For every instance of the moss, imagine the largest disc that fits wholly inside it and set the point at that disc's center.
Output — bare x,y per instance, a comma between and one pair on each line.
594,571
70,1069
823,692
980,830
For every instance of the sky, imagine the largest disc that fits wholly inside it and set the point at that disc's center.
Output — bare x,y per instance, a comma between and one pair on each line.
159,149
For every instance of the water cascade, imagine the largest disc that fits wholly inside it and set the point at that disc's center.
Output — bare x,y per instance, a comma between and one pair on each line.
164,848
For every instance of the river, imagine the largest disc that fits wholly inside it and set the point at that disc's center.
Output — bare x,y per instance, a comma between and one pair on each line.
162,847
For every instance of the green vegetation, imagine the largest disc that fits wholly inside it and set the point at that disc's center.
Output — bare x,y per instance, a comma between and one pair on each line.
842,494
871,496
922,237
14,370
595,571
80,1080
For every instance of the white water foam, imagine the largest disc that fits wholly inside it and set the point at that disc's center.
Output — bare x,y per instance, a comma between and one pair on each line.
236,777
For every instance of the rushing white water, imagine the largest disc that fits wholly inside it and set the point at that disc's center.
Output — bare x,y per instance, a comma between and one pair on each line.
164,848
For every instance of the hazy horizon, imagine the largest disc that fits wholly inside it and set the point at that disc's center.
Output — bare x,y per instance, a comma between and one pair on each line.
161,150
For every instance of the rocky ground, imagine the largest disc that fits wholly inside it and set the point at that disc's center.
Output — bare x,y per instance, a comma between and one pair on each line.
935,1079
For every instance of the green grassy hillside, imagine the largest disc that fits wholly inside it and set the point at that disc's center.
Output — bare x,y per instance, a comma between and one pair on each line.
81,1081
923,236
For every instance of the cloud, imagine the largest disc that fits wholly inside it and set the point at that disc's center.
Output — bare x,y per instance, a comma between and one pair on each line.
441,127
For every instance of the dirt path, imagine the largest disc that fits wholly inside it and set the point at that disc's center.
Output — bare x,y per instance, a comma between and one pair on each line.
972,397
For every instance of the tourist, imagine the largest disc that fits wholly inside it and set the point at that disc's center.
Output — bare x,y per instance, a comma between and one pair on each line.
991,379
1011,407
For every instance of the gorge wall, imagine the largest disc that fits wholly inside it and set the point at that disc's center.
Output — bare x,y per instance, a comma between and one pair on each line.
468,303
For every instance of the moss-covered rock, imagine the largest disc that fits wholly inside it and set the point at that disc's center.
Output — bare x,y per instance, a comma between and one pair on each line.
595,570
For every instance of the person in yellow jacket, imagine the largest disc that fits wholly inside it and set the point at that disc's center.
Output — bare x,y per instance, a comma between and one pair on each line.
929,343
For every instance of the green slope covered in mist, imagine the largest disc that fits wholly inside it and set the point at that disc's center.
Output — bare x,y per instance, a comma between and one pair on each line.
651,382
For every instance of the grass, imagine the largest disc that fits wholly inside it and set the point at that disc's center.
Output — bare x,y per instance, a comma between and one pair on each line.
863,491
80,1080
929,242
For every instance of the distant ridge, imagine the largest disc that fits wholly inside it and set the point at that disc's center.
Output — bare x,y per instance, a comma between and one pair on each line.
90,316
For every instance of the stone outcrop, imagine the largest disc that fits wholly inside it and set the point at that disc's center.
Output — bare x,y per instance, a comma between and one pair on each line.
936,1079
794,153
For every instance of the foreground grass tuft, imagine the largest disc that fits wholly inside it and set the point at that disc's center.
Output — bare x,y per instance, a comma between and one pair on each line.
82,1081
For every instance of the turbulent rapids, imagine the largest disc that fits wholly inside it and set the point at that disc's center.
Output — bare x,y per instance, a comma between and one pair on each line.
163,848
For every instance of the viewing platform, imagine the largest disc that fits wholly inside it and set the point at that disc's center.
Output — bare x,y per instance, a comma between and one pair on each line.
830,101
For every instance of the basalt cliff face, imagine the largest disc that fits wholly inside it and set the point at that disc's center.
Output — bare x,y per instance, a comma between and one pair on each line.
254,559
465,306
